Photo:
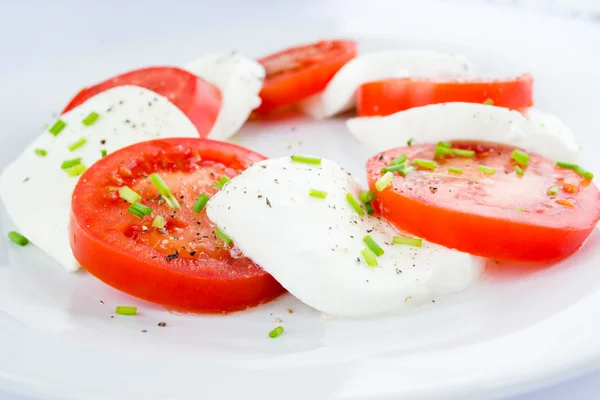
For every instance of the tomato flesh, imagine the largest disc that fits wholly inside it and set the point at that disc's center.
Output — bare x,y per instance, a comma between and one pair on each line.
299,72
392,95
500,216
184,266
199,100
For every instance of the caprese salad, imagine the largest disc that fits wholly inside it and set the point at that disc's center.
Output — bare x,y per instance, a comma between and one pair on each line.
141,190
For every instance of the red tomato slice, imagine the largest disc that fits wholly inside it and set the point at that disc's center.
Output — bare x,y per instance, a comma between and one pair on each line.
199,100
392,95
185,266
501,216
298,72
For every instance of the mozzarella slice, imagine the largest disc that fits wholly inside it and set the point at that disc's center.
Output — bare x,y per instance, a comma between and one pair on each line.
338,96
313,246
541,133
240,80
37,192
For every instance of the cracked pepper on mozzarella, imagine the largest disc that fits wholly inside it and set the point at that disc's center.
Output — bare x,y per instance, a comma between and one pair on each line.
541,133
126,115
240,80
339,94
313,246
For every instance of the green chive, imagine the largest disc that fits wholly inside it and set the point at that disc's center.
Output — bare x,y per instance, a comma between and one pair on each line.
553,190
393,168
200,203
90,119
566,165
75,170
486,170
369,208
128,194
17,238
77,144
139,210
425,163
464,153
443,151
518,170
223,236
410,142
520,209
317,193
489,102
164,190
577,169
41,152
406,171
371,244
159,222
307,160
407,241
276,332
447,145
57,127
366,196
384,181
355,204
369,257
520,157
126,310
220,183
398,160
70,163
454,170
103,153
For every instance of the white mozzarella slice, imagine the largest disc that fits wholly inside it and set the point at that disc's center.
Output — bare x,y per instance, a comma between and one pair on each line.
338,96
240,80
468,121
313,246
37,192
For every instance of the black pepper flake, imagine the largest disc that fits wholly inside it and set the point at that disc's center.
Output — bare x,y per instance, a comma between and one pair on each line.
276,181
103,141
26,179
120,101
398,271
381,157
162,324
198,223
263,166
260,196
101,302
212,174
433,301
173,256
205,237
369,230
112,316
192,253
144,330
127,121
357,259
181,197
268,202
433,189
154,256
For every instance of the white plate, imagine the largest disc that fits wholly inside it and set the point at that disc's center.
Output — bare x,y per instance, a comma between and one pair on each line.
509,333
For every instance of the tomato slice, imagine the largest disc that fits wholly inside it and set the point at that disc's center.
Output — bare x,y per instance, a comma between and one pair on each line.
185,266
502,216
298,72
199,100
392,95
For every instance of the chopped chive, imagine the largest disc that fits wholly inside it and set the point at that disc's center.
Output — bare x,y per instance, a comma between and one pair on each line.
200,203
520,157
488,102
317,193
90,119
393,168
17,238
75,170
126,310
464,153
223,236
307,160
398,160
407,241
371,244
221,182
366,196
454,170
553,190
425,163
77,144
518,170
369,257
164,190
41,152
57,127
103,153
443,151
410,142
447,145
369,208
566,165
139,210
486,170
384,181
355,204
406,171
577,169
130,195
70,163
520,209
159,222
276,332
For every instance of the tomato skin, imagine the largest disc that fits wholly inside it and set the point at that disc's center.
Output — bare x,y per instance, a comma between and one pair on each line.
392,95
201,283
497,231
199,100
299,72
